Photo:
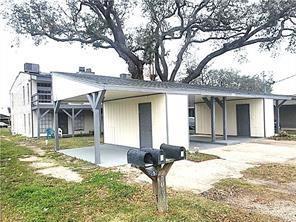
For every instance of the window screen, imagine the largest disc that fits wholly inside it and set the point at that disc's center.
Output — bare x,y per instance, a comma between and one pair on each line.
79,122
46,122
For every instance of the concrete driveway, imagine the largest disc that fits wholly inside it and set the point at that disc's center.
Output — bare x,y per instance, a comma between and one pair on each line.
200,177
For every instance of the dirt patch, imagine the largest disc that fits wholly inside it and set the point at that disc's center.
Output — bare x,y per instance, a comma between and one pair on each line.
129,172
61,172
30,159
37,150
267,189
50,169
198,177
40,165
287,188
281,209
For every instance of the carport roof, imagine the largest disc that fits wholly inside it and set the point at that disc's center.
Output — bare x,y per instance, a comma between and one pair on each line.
120,84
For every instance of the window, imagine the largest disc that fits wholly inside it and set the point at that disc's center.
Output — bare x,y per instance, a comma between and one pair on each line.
46,122
44,84
25,125
79,122
28,92
24,95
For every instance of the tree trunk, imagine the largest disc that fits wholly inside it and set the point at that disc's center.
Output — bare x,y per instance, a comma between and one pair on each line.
136,69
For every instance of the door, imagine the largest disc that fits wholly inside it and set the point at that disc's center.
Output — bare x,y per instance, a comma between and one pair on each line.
243,119
63,122
145,125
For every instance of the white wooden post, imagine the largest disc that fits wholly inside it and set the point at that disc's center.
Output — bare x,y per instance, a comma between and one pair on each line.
95,99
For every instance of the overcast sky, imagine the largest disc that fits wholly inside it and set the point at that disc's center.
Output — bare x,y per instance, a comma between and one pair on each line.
55,56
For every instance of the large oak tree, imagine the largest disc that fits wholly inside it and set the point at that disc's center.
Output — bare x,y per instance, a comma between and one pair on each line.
223,25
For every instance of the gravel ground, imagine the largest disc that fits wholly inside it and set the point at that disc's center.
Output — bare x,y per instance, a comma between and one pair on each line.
200,177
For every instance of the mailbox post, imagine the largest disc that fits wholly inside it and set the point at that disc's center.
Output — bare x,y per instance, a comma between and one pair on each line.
156,163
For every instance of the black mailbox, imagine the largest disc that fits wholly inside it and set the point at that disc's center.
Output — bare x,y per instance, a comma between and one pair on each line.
158,157
139,157
173,152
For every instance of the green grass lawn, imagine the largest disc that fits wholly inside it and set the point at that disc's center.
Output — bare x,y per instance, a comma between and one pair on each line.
104,195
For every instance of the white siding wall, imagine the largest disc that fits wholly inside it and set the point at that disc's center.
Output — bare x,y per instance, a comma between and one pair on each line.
178,128
21,106
121,120
269,117
203,120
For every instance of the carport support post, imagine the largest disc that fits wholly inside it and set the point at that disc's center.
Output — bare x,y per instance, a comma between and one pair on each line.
277,113
224,119
56,123
95,99
213,118
73,121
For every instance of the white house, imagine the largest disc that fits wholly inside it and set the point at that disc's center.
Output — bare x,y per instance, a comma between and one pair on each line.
140,113
32,106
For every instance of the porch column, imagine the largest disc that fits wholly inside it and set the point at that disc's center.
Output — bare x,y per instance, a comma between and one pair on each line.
95,99
38,122
277,116
213,118
56,123
224,119
73,121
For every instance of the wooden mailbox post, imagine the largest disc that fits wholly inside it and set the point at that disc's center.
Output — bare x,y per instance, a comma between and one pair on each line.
156,163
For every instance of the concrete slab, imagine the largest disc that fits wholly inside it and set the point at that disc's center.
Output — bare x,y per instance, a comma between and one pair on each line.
111,155
232,140
203,146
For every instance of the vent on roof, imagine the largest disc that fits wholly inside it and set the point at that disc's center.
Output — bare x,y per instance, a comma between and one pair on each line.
81,69
31,68
125,76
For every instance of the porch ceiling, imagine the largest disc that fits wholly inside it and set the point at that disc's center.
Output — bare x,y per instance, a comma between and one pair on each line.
109,95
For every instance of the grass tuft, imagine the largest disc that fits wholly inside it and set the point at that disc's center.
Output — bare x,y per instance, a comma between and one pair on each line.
200,157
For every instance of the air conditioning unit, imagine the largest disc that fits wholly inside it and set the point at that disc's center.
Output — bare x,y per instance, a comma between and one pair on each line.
125,76
31,68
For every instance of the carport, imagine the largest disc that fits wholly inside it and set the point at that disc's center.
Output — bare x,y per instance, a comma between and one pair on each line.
129,108
139,113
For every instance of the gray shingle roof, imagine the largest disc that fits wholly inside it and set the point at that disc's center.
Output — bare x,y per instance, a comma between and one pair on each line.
109,82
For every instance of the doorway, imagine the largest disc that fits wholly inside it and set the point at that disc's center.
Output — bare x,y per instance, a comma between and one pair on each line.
243,120
145,125
63,122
